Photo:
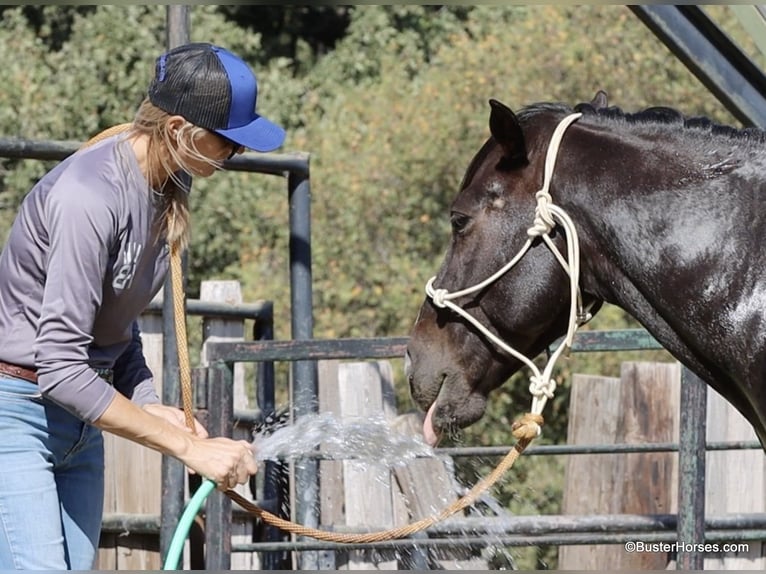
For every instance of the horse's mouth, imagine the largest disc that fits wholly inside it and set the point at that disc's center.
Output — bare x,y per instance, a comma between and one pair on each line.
451,400
447,414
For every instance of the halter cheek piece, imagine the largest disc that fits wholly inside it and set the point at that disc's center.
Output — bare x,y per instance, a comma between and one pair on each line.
547,216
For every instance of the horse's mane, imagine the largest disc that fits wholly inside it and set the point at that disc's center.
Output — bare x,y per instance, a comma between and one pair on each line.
656,117
660,116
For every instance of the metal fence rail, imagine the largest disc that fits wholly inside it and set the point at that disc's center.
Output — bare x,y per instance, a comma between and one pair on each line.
688,525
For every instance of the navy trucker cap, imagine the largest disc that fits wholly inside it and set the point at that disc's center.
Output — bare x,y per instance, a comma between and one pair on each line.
213,89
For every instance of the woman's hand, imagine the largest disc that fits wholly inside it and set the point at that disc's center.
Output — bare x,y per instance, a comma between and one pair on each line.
225,461
163,428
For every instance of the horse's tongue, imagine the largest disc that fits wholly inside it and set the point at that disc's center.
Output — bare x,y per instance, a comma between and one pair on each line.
429,434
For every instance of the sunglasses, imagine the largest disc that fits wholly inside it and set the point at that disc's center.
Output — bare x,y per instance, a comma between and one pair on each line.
234,146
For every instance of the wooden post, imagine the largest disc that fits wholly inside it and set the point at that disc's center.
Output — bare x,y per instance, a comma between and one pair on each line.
588,485
640,407
217,330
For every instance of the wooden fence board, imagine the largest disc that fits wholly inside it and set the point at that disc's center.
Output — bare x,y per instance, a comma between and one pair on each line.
593,412
362,390
640,407
735,480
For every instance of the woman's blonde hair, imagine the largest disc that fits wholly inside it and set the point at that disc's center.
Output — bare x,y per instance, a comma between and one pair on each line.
161,149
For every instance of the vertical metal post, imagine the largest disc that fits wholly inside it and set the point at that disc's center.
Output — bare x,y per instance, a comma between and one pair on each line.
177,25
691,476
173,472
265,391
304,373
220,402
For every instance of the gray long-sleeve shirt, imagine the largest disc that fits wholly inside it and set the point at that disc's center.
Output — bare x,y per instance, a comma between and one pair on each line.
83,259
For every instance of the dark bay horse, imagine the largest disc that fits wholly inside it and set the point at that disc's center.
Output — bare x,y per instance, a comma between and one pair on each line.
669,215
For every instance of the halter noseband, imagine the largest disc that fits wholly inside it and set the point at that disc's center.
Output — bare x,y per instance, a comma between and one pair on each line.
547,215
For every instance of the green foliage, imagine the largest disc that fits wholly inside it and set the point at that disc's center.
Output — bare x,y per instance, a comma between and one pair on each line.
299,34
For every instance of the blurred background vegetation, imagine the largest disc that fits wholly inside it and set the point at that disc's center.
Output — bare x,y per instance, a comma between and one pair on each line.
391,103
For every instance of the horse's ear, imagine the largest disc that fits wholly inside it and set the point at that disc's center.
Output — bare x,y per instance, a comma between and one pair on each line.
505,128
600,100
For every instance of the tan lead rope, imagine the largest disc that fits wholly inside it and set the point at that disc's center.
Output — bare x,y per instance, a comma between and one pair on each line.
524,430
179,310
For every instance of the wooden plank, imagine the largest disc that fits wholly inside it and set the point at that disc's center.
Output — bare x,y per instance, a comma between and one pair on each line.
330,471
128,464
232,330
640,407
366,390
649,412
589,484
735,480
362,497
424,487
357,493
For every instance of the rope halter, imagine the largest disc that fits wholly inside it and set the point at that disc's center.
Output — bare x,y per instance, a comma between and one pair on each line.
547,216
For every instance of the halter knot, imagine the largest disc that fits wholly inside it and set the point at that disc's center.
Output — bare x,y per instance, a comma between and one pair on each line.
543,222
438,296
540,386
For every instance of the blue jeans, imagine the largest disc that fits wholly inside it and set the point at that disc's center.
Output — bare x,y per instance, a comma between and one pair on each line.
51,483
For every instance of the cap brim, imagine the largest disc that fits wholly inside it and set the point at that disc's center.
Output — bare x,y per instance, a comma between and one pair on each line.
259,135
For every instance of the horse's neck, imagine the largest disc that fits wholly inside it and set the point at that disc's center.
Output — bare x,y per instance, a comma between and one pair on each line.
682,255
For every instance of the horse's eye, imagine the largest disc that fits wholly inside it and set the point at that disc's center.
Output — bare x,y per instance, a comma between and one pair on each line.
459,222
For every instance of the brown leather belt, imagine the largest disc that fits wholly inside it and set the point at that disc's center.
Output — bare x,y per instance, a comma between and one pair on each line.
18,372
31,376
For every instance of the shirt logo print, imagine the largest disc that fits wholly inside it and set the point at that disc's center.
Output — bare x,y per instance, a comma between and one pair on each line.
130,255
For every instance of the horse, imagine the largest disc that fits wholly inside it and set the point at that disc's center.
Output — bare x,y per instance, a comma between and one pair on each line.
659,213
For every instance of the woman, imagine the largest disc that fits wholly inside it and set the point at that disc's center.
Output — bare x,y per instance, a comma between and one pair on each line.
87,252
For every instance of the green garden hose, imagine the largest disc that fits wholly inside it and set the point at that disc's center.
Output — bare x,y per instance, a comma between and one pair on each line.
184,524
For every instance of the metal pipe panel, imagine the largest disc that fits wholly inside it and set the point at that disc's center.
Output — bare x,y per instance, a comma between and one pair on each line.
708,53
